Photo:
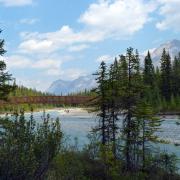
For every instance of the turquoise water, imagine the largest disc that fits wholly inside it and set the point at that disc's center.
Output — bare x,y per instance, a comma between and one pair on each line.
80,125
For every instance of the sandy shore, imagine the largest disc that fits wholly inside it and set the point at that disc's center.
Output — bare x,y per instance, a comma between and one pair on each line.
70,111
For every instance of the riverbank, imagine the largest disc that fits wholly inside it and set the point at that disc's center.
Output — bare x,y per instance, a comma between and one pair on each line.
71,111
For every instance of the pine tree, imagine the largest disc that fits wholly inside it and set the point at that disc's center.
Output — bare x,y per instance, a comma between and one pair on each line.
6,84
102,102
151,82
176,76
166,75
149,124
130,95
148,74
113,104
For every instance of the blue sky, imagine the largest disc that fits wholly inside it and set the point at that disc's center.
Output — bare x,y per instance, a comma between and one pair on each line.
48,40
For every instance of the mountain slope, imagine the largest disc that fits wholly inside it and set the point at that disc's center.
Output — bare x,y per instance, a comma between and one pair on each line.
173,47
80,84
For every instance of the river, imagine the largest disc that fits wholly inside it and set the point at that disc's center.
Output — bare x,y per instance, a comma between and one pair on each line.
78,123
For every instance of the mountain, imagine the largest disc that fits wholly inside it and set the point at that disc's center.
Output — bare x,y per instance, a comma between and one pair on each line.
80,84
173,47
88,82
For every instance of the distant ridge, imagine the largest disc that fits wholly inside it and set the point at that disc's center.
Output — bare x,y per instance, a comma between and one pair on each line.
173,47
64,87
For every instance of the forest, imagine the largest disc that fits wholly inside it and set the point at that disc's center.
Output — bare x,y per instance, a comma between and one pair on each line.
24,91
161,82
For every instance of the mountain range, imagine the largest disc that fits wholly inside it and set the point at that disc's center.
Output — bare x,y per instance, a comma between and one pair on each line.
88,82
80,84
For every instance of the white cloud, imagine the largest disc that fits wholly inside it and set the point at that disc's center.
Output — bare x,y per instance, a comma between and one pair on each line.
16,61
29,21
50,42
44,82
102,20
118,18
72,73
53,72
47,67
78,48
169,10
39,84
46,64
34,45
105,58
16,2
22,62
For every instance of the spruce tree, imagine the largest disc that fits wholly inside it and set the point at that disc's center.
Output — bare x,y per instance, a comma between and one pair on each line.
101,102
113,104
166,73
130,95
148,74
149,124
6,84
176,76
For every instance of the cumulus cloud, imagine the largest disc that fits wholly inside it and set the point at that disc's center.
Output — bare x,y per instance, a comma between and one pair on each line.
47,67
16,2
169,10
22,62
53,41
118,18
102,20
34,45
16,61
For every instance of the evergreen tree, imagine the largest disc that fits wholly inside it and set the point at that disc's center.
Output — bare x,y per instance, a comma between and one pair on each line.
149,124
101,102
130,95
176,76
6,85
148,74
166,75
151,82
113,104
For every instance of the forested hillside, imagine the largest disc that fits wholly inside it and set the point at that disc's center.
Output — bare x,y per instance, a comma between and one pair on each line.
24,91
162,83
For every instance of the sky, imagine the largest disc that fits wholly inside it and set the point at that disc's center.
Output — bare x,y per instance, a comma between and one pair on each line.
48,40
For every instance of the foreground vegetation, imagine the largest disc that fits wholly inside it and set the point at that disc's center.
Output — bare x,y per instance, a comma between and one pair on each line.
38,151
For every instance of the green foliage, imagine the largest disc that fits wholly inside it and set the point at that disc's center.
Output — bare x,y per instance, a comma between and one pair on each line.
22,91
27,149
75,164
124,89
148,74
166,75
101,101
6,80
